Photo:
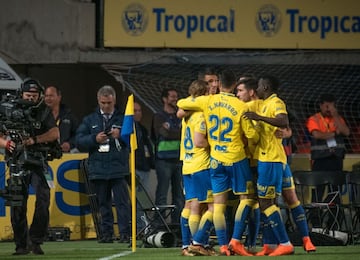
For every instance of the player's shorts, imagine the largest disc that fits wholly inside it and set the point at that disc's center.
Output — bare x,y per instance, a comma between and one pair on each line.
270,176
198,186
231,176
287,180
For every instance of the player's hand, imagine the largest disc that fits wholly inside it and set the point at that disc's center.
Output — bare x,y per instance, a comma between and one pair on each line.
252,116
283,133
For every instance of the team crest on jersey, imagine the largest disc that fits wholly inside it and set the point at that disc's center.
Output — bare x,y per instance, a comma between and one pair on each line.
270,192
135,19
203,126
268,20
213,164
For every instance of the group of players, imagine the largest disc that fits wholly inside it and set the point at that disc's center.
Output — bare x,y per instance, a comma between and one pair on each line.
232,131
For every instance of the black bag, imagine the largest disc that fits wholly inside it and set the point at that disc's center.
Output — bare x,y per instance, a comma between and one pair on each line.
318,239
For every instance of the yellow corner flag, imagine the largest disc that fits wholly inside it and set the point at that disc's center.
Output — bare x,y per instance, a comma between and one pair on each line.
128,135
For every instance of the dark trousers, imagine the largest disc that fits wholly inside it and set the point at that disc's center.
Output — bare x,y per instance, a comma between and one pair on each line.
169,173
39,226
108,192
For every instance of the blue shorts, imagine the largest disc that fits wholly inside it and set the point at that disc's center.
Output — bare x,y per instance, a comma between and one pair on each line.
235,176
270,176
287,179
198,186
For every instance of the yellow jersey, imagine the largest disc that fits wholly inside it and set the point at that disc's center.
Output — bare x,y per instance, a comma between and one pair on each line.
270,148
194,159
226,124
251,148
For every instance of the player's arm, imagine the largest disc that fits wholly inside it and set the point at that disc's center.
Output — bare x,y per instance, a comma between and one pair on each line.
190,103
200,137
249,129
183,114
200,140
280,120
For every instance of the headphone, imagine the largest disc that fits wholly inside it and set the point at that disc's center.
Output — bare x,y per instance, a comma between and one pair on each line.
29,83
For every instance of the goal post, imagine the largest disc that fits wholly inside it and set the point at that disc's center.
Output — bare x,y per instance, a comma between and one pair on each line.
304,76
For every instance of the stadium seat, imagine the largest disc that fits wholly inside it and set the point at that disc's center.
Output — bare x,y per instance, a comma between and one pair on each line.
326,213
354,188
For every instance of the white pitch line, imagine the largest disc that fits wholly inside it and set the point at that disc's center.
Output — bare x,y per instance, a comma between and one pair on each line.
117,255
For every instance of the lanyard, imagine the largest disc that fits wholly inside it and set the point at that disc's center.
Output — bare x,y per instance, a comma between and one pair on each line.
326,124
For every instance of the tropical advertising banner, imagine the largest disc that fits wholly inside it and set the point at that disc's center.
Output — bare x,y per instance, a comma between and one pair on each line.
282,24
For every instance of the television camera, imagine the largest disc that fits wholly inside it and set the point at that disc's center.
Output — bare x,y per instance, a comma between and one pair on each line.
18,120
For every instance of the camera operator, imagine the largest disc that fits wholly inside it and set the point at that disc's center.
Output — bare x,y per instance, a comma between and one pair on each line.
45,130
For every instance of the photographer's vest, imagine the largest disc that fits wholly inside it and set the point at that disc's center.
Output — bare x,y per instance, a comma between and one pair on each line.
165,148
320,148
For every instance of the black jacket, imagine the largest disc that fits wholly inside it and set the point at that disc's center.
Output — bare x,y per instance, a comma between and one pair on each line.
144,154
67,124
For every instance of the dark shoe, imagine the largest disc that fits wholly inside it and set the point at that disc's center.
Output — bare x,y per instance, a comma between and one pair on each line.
21,251
36,249
106,240
124,239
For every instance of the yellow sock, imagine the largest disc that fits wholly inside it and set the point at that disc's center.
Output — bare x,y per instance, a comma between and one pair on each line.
194,223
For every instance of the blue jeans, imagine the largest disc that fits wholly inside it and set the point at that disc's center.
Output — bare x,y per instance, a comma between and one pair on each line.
169,172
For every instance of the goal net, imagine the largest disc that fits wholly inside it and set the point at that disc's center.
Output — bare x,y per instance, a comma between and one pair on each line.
304,76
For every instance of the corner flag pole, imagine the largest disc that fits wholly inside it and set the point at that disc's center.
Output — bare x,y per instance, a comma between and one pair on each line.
128,134
133,191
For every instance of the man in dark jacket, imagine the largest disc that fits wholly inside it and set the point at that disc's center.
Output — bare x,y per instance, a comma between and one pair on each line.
144,154
108,163
65,119
166,132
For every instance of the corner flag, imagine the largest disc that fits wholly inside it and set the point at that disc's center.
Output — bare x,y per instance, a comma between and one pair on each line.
128,135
